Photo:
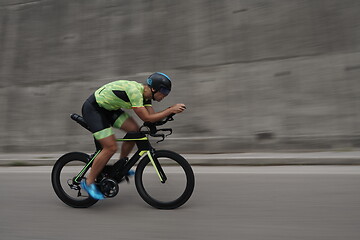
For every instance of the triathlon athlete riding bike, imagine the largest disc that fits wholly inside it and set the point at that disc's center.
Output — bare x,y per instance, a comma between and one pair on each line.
94,181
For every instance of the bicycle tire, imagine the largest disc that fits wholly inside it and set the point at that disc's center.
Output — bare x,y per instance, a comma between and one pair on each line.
56,179
175,160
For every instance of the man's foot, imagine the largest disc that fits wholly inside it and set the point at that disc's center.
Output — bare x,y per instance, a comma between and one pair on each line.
131,173
92,190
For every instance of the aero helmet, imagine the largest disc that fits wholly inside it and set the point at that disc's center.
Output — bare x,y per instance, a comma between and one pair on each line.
160,82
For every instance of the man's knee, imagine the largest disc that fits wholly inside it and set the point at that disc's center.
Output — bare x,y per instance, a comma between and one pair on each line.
109,145
134,128
130,125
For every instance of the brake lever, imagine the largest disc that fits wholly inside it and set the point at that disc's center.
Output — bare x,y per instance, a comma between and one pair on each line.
161,140
167,130
169,133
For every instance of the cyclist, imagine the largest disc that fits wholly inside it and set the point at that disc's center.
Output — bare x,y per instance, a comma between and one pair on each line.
103,110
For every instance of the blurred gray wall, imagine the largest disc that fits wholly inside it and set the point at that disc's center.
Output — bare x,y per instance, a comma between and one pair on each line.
256,75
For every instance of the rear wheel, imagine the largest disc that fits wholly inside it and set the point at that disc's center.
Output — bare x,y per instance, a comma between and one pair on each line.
63,175
175,191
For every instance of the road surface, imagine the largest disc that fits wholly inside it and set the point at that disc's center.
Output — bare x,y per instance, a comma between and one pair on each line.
252,203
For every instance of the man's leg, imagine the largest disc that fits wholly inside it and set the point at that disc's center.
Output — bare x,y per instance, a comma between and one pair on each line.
128,126
109,146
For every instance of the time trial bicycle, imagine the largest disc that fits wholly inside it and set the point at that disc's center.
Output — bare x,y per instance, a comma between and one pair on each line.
164,179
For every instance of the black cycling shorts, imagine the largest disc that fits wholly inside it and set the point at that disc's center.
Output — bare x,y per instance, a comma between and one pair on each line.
100,120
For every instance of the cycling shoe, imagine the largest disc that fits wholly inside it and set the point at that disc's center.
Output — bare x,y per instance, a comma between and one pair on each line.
131,173
92,190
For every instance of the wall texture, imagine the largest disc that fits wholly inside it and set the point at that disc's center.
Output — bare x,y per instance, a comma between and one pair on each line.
256,75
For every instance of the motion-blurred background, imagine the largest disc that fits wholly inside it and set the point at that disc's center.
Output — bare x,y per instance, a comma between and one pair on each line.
256,75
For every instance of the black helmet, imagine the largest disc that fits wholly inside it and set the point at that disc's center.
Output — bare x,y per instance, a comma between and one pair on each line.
160,82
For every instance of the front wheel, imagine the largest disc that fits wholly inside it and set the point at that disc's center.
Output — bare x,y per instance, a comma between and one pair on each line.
176,190
63,180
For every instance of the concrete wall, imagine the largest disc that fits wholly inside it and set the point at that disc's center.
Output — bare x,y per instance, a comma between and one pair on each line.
256,75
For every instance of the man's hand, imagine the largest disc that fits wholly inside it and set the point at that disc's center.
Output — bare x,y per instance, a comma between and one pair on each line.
178,108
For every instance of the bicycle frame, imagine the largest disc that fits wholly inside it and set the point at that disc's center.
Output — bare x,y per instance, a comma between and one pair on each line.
144,147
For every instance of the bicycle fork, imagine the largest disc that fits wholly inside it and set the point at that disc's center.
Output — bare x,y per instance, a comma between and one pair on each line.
155,162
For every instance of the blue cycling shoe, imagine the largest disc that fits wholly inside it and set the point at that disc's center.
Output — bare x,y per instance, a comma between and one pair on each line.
92,190
131,173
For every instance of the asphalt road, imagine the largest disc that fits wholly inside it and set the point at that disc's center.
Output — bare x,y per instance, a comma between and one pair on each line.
287,202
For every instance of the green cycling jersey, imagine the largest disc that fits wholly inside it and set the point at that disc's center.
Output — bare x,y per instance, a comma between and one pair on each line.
121,94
